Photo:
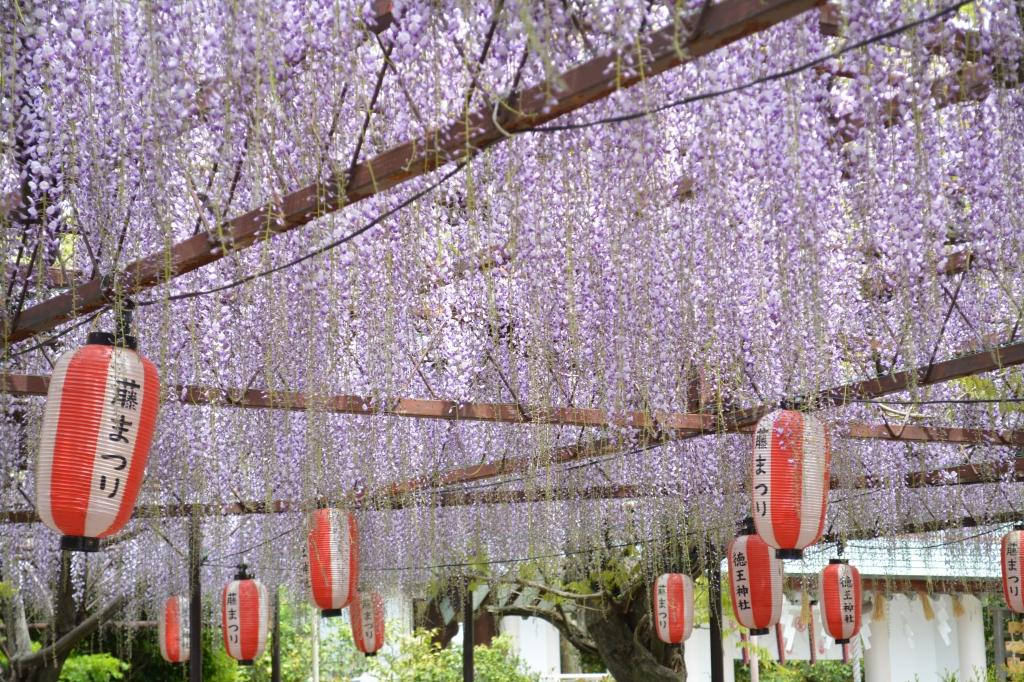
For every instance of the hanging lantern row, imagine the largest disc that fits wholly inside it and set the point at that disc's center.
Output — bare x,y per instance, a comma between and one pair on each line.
101,410
790,480
333,559
673,607
172,630
244,611
366,616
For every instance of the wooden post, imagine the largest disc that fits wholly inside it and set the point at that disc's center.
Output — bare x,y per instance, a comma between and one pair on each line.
715,609
195,608
467,634
275,642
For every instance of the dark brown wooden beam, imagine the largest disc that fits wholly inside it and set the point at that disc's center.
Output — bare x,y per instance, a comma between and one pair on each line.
724,22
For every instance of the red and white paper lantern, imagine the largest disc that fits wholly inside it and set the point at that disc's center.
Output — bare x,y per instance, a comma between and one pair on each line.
366,613
244,611
755,583
839,596
790,472
673,607
1012,553
333,559
172,630
98,425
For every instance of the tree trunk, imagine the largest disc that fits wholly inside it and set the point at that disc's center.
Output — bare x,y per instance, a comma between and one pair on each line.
627,661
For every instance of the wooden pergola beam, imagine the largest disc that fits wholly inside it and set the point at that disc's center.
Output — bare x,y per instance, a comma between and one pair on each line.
724,22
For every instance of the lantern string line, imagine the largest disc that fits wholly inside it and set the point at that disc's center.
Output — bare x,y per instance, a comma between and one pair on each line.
315,252
937,401
62,333
777,75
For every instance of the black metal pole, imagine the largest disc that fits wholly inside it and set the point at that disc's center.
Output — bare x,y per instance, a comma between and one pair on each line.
715,609
275,642
195,609
467,634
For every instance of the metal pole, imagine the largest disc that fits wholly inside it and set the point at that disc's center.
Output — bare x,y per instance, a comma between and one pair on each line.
195,608
467,635
715,624
999,644
275,642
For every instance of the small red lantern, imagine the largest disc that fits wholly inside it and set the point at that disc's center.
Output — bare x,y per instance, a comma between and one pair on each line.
333,559
755,583
790,480
97,428
172,630
1012,554
366,614
244,609
673,607
839,595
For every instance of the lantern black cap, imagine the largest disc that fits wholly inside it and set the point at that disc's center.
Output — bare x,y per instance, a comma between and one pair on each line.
747,526
78,543
1018,526
842,641
121,336
789,554
247,661
371,654
754,632
243,573
330,613
839,561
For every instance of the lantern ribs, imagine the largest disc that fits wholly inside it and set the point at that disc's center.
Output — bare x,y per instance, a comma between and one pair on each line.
724,23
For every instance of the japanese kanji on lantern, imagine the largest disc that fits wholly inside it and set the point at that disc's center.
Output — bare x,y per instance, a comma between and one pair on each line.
97,427
366,614
839,596
755,582
244,611
1011,554
790,478
672,603
172,630
333,559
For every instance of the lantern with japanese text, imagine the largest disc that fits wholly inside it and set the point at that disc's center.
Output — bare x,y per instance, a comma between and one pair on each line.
97,427
172,630
333,559
839,596
790,479
244,610
366,614
1011,553
673,607
755,583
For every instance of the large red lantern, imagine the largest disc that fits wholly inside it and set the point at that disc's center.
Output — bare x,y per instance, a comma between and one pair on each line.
1011,557
172,630
366,614
244,609
755,583
98,425
333,559
673,607
839,596
790,472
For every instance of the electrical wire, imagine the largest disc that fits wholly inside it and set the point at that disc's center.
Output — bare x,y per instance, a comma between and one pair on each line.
777,75
316,252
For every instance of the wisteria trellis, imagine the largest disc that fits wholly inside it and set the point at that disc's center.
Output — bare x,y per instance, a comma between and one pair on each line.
734,251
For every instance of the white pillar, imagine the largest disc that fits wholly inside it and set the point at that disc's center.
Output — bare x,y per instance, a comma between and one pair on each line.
877,660
316,645
970,631
755,662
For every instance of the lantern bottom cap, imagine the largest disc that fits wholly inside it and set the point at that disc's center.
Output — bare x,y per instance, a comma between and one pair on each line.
247,661
371,654
842,641
759,631
78,543
789,554
330,613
